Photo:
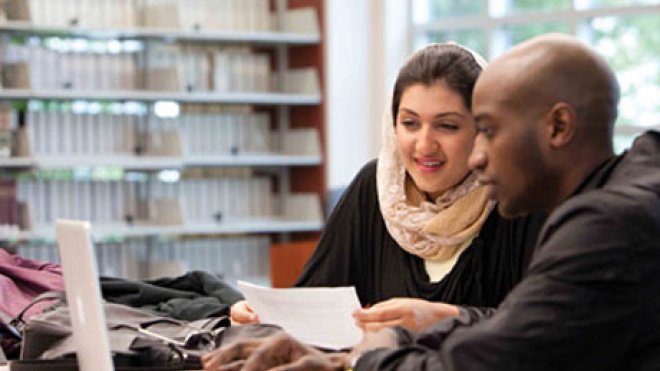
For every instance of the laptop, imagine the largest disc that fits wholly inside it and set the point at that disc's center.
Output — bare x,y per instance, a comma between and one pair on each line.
83,295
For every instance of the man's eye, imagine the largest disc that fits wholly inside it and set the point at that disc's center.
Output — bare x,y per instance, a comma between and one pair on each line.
488,132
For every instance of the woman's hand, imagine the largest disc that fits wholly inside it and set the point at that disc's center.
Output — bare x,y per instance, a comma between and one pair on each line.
414,314
242,313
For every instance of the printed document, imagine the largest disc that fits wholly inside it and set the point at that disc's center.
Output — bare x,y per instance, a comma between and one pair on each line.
317,316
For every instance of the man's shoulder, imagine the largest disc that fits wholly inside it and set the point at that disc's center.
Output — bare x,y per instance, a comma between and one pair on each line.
622,208
603,231
615,200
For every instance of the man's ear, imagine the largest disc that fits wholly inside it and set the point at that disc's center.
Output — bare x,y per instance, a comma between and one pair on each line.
561,124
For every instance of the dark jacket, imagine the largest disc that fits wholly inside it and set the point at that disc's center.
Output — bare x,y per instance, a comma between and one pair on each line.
356,249
192,296
591,298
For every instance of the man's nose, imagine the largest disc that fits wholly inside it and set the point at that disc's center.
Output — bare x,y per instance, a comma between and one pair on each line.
477,159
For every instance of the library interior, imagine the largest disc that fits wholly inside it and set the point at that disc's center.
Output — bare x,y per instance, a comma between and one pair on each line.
213,148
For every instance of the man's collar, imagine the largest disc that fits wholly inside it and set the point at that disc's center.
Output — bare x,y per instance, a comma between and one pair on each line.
598,176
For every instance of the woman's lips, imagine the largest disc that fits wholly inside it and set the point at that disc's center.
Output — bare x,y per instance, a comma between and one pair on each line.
429,165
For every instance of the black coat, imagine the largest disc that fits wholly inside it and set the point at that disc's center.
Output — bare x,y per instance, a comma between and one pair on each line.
356,249
192,296
591,298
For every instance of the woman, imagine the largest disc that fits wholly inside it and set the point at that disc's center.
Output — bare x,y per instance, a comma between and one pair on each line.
415,230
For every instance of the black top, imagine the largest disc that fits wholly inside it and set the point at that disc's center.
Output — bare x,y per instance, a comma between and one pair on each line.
356,249
591,298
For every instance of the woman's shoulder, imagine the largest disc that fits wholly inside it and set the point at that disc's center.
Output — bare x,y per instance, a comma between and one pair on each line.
361,191
365,177
368,170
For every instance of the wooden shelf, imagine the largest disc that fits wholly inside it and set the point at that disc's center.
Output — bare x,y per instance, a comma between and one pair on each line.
16,162
159,163
119,232
265,159
123,161
164,34
263,99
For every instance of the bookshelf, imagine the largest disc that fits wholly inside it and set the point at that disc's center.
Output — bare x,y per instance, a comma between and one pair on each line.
236,159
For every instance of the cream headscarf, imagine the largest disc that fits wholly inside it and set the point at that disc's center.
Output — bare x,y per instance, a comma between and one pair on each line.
431,230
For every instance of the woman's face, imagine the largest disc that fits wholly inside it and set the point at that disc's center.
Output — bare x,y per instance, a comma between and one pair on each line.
435,133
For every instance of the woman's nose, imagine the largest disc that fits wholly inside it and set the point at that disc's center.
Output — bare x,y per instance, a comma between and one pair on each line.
426,141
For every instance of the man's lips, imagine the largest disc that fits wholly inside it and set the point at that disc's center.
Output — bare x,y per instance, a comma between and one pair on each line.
490,187
484,181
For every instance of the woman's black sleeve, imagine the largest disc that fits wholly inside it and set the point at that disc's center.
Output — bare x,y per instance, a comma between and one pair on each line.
342,256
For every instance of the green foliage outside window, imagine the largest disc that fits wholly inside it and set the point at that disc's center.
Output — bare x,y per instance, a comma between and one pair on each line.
474,39
606,3
631,45
521,32
455,8
538,6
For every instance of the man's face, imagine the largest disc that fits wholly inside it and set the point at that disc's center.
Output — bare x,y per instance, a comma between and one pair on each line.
507,155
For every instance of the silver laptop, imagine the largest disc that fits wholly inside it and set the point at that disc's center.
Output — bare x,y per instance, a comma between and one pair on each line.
83,295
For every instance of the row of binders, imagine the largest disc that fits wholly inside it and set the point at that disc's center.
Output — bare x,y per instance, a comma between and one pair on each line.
8,124
233,257
43,64
224,15
232,131
114,203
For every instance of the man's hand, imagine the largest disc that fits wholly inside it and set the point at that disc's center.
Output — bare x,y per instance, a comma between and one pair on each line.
276,352
242,313
414,314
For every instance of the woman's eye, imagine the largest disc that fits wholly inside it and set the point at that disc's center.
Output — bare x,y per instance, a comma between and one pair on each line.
447,126
408,123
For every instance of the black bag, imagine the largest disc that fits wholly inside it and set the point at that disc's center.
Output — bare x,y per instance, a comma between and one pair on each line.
10,339
11,330
138,340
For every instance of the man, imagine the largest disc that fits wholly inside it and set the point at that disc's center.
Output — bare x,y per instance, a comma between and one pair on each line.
591,298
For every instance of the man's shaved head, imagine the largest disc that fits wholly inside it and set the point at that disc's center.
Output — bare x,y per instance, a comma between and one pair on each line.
558,68
545,112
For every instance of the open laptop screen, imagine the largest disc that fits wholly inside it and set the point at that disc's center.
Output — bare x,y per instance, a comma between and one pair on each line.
83,295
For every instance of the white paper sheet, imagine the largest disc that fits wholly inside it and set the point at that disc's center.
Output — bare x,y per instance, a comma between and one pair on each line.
316,316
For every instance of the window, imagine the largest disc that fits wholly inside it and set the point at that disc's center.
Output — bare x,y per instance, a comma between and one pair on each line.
625,32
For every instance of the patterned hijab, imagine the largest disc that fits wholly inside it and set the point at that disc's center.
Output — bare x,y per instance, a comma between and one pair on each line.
435,230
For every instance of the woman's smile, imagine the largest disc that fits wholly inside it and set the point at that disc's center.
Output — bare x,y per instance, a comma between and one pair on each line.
429,165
